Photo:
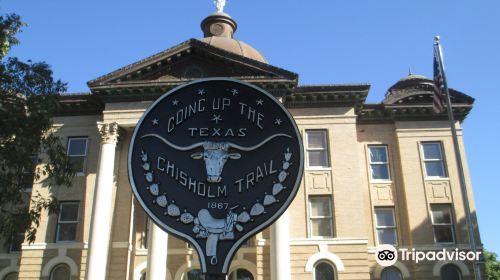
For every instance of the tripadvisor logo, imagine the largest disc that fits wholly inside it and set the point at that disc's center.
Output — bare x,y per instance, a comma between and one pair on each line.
387,255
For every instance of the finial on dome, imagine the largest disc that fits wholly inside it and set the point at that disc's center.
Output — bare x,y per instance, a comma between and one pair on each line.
219,24
219,4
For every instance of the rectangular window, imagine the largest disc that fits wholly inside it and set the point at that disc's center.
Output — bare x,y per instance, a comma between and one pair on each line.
67,221
77,152
320,216
317,148
379,162
433,160
385,225
442,223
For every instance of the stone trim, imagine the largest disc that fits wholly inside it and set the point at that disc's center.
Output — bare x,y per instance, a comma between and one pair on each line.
436,271
109,132
11,268
60,259
139,270
243,264
45,246
194,264
399,265
329,241
324,255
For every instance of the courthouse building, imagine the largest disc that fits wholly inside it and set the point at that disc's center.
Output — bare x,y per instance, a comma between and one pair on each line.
375,173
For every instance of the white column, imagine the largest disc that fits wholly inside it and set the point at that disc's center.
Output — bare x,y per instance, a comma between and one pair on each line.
157,253
100,231
280,249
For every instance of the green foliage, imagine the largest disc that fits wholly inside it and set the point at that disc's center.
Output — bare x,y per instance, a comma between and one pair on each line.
28,100
492,266
9,26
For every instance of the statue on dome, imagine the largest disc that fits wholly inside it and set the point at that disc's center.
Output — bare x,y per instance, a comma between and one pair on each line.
219,4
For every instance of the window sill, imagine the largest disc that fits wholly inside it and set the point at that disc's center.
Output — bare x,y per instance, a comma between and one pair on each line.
437,178
395,245
321,238
66,242
328,240
318,168
381,181
445,244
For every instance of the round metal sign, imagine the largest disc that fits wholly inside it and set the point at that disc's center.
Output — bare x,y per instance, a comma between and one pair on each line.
214,162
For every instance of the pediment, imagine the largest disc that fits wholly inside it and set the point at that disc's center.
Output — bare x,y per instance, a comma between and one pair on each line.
187,61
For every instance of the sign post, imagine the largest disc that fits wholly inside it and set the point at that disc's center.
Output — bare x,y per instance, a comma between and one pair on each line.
214,162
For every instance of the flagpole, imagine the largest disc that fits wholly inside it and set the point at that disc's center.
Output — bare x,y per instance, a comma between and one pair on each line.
458,156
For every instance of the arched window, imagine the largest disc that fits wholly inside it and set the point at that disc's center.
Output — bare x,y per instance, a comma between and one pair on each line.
60,272
324,271
241,274
11,276
450,272
193,274
391,273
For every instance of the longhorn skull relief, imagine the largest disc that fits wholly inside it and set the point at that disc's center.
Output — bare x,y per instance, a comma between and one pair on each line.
215,154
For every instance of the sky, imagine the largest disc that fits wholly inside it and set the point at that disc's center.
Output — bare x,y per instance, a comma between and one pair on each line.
324,41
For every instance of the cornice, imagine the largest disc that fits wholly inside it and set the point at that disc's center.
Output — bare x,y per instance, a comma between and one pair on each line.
150,90
78,104
327,96
384,113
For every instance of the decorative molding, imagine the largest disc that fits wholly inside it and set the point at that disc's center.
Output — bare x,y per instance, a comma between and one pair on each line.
121,245
144,252
318,182
382,194
463,268
327,118
109,132
399,265
331,257
142,267
127,111
243,264
9,269
193,264
59,260
139,270
438,191
330,241
44,246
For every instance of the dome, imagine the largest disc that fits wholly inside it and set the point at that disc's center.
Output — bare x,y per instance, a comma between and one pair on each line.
408,88
234,46
410,80
218,29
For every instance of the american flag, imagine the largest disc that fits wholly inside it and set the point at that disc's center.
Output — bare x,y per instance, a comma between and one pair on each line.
438,96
